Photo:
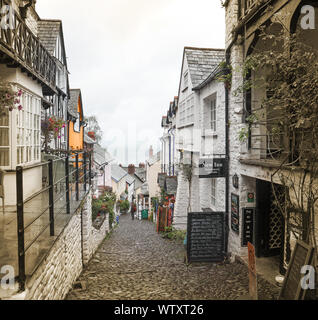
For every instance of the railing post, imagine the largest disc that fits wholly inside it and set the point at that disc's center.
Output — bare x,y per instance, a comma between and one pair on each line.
51,197
67,182
20,225
90,169
85,172
77,178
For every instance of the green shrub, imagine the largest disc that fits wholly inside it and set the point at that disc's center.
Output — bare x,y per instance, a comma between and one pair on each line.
124,205
173,234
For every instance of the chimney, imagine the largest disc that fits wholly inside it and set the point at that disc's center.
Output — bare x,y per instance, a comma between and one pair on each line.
131,169
91,134
150,152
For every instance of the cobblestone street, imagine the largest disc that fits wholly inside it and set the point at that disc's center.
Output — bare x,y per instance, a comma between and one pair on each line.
136,263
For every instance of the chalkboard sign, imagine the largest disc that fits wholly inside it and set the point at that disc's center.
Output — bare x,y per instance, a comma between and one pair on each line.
206,237
235,210
248,226
213,168
302,256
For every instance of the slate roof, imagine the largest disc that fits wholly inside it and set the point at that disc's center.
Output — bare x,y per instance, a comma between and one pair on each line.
48,31
202,62
118,173
141,173
130,180
99,155
73,102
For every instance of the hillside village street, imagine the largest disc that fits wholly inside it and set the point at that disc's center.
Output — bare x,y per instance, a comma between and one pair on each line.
136,263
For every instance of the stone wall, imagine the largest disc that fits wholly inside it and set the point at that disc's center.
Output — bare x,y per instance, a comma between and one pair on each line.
64,263
92,237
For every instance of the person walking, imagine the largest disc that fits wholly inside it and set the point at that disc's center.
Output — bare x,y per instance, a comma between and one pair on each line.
133,210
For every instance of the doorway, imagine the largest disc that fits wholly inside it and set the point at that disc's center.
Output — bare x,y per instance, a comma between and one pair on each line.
269,222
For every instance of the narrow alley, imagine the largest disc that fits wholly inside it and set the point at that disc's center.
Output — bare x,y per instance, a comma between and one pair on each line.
136,263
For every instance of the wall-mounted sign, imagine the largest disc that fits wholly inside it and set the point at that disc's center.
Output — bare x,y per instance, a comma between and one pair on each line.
235,211
248,226
250,197
213,168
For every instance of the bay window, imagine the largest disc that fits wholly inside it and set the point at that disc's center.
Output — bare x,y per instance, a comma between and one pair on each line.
20,134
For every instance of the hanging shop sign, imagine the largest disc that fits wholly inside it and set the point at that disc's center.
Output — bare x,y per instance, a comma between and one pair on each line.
213,168
248,226
235,209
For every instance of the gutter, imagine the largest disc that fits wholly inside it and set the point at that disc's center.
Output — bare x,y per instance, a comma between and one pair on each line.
227,143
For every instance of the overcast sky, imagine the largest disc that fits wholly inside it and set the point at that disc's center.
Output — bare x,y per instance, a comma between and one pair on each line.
126,55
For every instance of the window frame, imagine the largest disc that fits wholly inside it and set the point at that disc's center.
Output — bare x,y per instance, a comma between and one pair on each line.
213,115
27,123
9,147
78,120
213,192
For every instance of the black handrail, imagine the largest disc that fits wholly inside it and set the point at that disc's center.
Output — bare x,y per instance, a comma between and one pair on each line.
80,176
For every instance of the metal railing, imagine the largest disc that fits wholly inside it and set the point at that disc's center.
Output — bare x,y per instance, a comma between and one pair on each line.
65,183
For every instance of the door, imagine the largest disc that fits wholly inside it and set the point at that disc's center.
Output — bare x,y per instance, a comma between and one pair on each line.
269,222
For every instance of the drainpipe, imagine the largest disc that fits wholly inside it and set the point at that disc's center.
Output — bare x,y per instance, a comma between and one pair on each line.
227,142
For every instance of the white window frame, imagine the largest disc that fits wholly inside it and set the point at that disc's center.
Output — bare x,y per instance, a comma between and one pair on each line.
77,123
187,112
213,192
213,115
7,148
25,132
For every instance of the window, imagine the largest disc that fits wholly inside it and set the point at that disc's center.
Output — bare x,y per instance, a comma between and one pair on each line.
4,138
77,124
213,115
186,112
28,131
213,192
186,80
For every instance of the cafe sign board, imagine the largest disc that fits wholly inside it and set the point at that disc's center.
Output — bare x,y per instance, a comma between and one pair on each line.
213,168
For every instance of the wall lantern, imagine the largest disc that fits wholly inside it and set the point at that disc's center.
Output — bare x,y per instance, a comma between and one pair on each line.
235,180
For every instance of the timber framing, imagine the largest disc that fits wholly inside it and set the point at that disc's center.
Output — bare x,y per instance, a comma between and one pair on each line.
19,47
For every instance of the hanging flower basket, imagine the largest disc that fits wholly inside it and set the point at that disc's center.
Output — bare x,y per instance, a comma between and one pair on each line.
51,129
10,99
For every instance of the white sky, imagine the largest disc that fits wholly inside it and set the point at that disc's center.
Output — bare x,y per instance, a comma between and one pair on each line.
126,57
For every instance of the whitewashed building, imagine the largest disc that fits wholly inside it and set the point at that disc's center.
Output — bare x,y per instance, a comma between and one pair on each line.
197,66
251,161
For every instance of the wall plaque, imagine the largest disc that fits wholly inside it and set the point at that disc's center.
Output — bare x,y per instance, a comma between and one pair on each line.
235,209
302,256
206,237
248,226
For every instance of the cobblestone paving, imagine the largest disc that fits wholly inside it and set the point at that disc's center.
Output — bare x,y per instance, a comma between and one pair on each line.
136,263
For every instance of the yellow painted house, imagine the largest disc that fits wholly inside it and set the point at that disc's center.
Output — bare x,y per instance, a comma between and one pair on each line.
75,121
